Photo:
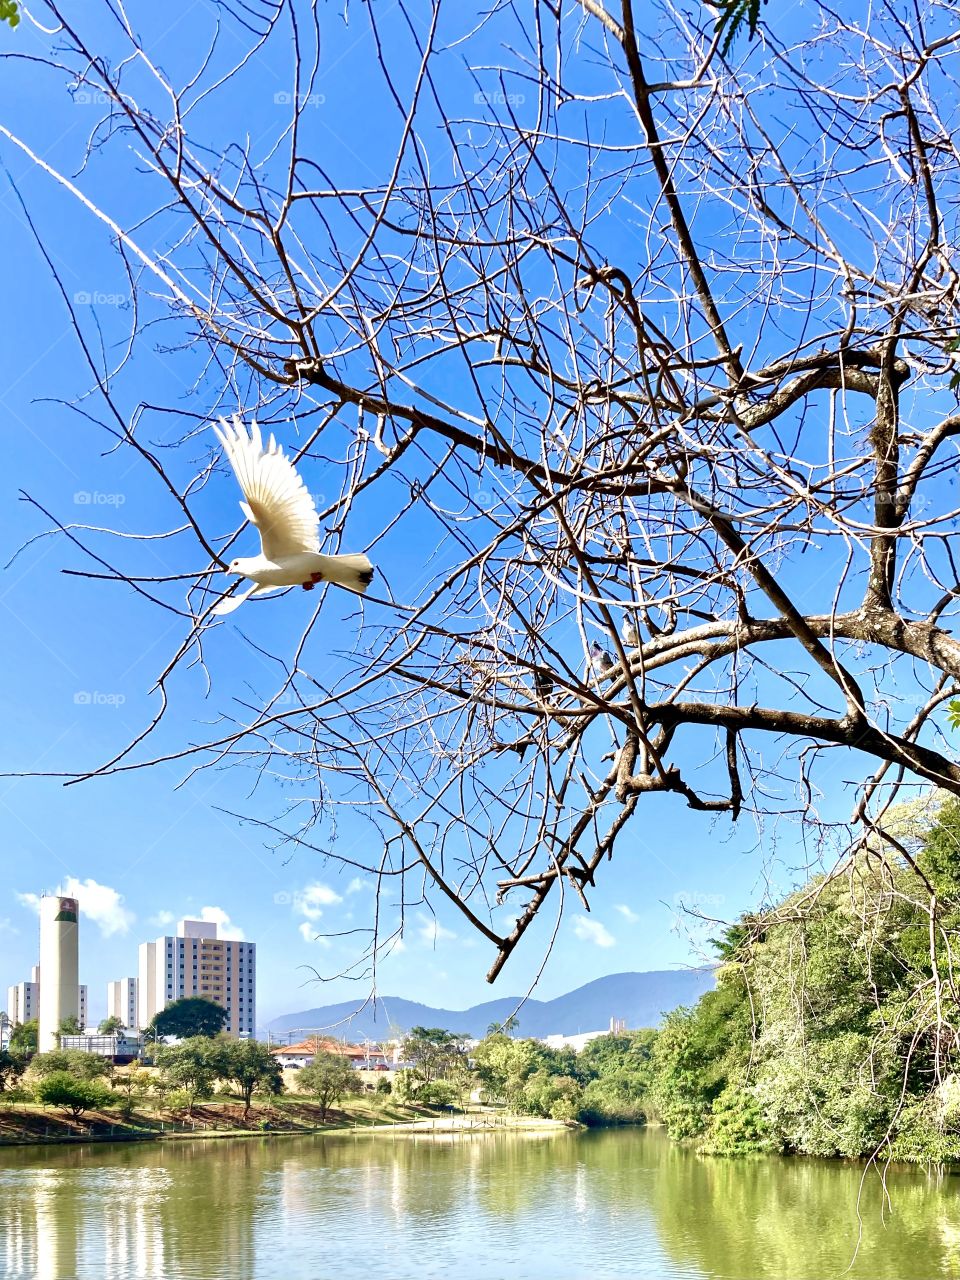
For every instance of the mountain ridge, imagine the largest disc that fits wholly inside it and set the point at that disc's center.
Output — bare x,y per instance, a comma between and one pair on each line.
639,999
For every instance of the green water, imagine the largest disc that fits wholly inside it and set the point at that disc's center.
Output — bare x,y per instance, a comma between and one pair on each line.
563,1205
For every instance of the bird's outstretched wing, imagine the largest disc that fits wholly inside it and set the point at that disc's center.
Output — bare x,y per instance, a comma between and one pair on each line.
277,501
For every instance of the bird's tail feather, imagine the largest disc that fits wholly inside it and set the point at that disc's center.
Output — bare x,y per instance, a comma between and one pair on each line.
355,572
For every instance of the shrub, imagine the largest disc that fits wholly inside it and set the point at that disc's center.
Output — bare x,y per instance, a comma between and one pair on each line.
61,1089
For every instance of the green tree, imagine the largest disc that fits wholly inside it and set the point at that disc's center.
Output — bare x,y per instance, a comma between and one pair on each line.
62,1089
697,1053
438,1093
133,1086
617,1073
832,1031
432,1053
24,1036
328,1078
250,1066
112,1026
74,1062
13,1064
188,1017
503,1066
557,1096
70,1026
159,1086
194,1066
405,1085
506,1028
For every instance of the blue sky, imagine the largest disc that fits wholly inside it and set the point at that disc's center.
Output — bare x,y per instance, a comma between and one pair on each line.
77,659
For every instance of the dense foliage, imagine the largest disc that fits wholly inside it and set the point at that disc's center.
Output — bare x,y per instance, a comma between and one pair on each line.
250,1067
328,1079
24,1036
13,1063
84,1066
605,1084
835,1026
189,1016
73,1093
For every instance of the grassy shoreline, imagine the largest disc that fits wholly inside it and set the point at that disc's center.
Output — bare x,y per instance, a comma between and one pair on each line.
35,1126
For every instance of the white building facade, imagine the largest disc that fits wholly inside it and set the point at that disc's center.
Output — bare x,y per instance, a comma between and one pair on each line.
23,1000
122,1002
196,962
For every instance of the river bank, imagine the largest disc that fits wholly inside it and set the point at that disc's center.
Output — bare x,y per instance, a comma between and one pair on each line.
31,1126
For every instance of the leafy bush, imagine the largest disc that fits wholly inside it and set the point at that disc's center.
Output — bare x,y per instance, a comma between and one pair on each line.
738,1125
438,1093
61,1089
18,1093
75,1062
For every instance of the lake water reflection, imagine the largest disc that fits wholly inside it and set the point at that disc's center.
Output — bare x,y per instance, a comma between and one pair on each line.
559,1205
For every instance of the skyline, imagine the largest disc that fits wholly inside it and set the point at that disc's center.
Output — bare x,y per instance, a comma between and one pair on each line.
113,924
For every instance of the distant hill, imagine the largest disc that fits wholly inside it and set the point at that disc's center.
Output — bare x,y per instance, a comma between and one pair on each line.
640,999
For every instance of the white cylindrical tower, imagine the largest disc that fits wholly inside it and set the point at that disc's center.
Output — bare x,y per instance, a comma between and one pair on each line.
59,967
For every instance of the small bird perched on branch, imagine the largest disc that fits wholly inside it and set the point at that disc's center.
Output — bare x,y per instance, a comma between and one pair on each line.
543,683
600,660
284,513
631,636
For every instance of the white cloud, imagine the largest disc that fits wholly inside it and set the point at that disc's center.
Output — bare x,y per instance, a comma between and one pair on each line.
309,933
357,885
98,902
593,931
631,917
310,901
7,925
431,931
162,918
103,905
225,926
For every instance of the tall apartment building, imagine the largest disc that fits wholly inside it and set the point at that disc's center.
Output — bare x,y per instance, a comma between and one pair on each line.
122,1002
198,963
22,999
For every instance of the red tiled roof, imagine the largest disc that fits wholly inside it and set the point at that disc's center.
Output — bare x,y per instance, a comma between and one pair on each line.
327,1046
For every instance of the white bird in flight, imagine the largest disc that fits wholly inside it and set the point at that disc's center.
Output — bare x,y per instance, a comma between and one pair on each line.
277,502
